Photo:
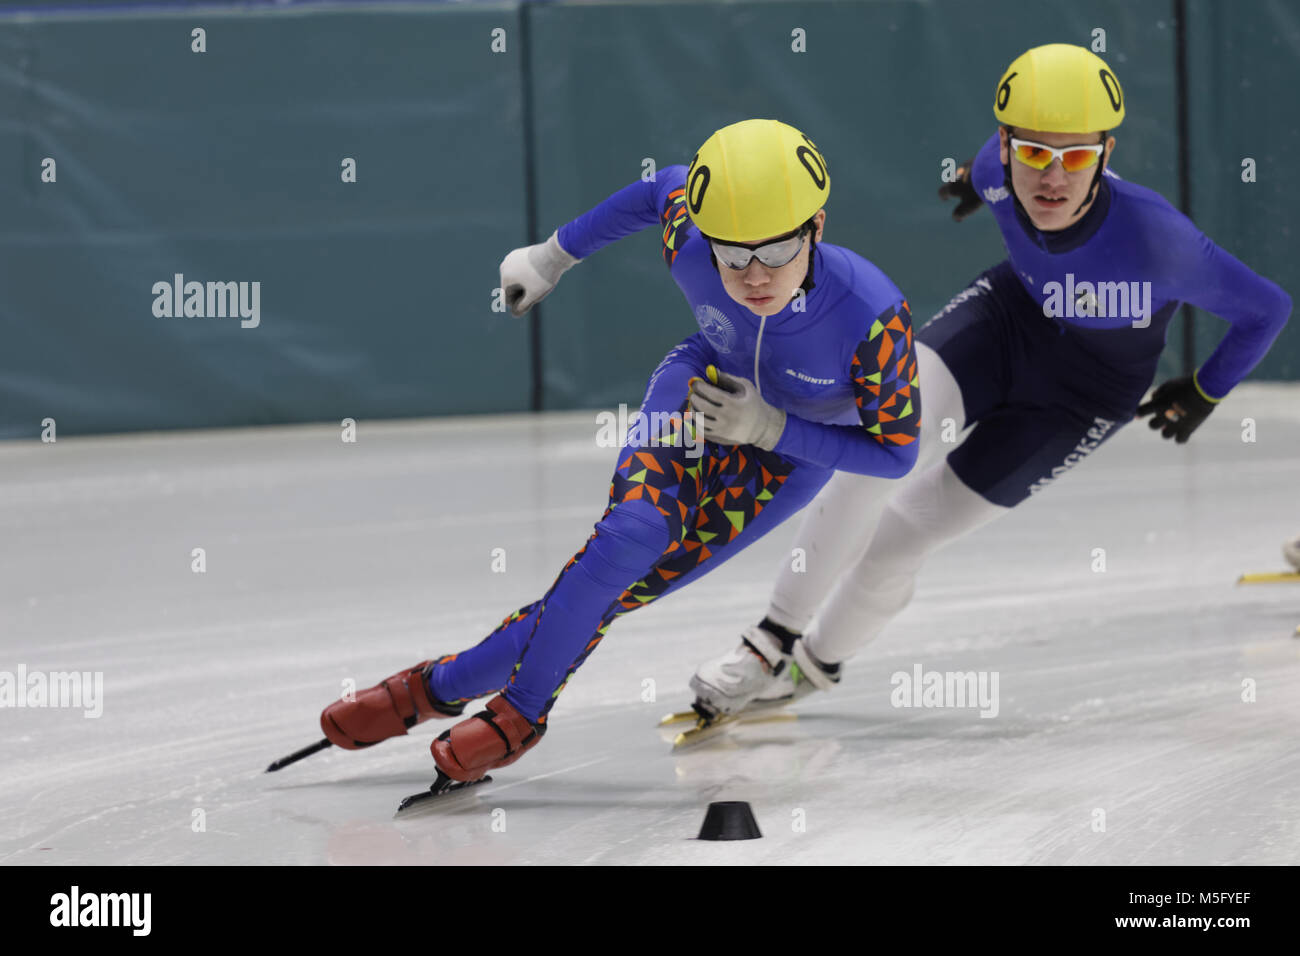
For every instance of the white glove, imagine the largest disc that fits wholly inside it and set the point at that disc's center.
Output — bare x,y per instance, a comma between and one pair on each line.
529,274
731,412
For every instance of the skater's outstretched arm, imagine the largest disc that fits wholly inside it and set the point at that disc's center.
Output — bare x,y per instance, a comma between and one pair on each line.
634,207
528,274
1189,267
1214,280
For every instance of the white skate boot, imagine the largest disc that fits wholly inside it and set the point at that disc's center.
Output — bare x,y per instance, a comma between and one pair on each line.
753,683
725,686
804,675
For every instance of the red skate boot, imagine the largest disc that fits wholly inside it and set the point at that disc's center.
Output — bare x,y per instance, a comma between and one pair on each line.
388,709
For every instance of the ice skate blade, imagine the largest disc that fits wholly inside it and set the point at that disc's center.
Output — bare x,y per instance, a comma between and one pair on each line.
754,707
298,755
708,731
442,790
1270,577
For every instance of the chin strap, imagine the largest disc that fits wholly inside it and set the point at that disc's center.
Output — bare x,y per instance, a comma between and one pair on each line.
1011,190
1096,178
1006,172
808,282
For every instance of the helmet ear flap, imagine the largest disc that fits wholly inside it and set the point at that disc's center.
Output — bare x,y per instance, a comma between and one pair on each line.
713,256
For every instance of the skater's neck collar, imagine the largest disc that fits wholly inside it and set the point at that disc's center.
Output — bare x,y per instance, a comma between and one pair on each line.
1072,237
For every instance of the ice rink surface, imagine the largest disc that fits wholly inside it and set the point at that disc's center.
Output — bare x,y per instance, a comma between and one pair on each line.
1120,691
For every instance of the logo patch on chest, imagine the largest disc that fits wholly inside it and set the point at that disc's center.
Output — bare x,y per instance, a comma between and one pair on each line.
717,328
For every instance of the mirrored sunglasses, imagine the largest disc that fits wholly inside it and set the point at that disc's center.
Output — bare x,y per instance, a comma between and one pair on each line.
773,254
1039,155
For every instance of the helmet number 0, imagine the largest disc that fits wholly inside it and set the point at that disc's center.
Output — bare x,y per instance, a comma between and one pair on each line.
697,182
810,152
1004,91
1112,89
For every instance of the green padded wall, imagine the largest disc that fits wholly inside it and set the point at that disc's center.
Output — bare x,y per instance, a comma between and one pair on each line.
887,90
376,295
226,166
1243,77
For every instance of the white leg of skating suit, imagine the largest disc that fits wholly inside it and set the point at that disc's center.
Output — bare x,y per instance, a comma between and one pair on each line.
934,509
839,522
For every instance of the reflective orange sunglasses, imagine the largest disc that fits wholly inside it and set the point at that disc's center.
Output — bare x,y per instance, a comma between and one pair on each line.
1039,155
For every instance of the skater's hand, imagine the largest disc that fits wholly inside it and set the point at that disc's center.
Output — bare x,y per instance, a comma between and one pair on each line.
731,412
1176,408
529,274
961,189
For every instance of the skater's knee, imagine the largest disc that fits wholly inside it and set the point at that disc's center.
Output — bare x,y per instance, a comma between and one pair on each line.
652,506
628,540
902,540
936,510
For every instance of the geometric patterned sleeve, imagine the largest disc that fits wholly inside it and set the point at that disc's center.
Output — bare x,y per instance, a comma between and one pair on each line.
888,397
885,380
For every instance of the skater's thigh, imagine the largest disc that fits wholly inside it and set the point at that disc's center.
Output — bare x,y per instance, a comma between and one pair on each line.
975,335
667,388
658,454
944,415
736,510
1017,451
850,503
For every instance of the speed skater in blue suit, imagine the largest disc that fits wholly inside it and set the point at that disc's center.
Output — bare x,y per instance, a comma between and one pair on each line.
803,364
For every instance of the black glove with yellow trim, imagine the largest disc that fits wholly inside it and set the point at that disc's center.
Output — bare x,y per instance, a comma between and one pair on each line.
1177,408
961,189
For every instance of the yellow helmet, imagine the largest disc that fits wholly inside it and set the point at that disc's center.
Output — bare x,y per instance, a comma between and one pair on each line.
1059,88
755,179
